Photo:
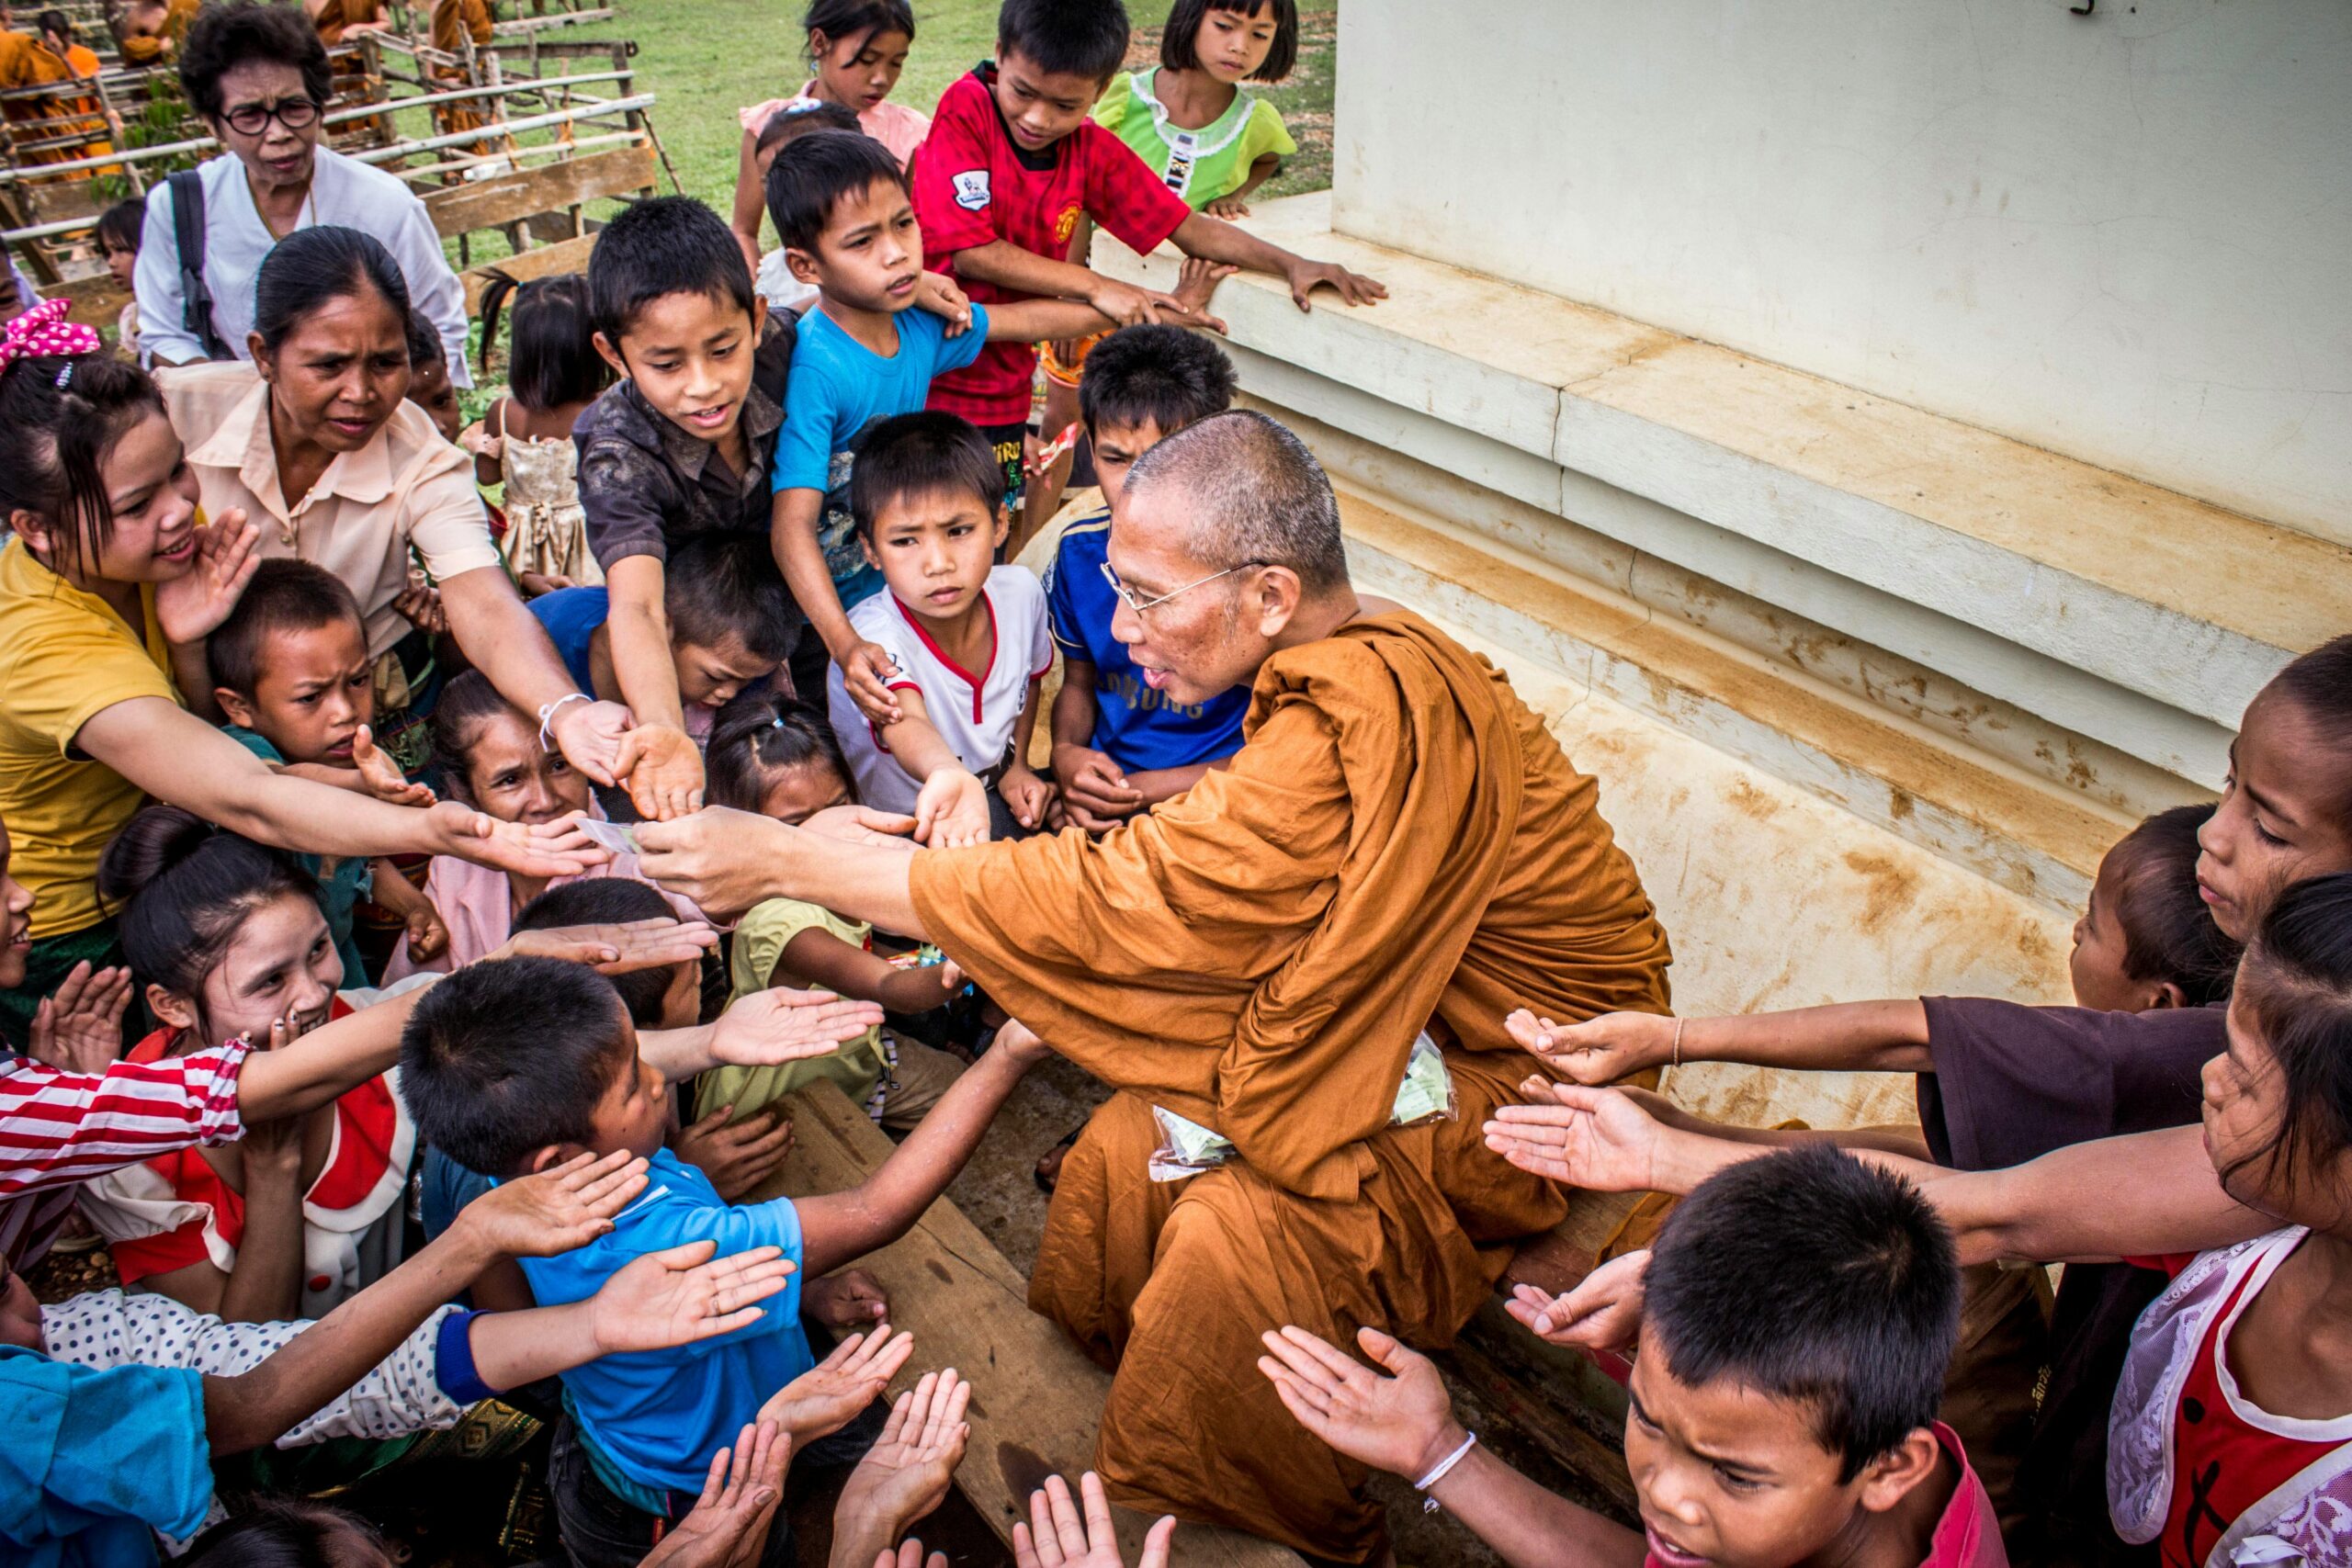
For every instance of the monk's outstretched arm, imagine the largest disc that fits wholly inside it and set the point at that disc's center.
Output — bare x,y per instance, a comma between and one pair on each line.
727,861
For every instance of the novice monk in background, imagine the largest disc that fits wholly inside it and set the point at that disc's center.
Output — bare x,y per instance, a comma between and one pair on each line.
1399,845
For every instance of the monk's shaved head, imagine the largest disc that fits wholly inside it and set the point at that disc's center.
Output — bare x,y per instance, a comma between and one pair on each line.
1254,494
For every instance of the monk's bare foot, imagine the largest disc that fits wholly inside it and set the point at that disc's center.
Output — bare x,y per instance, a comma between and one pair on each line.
1049,1169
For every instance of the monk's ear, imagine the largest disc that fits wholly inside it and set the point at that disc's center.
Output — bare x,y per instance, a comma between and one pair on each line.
1274,596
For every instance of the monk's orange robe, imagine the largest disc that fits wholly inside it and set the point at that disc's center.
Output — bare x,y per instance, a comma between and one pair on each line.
455,21
27,61
1399,844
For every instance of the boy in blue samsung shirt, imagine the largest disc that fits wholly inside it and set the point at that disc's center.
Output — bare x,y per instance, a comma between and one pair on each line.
1119,747
511,1068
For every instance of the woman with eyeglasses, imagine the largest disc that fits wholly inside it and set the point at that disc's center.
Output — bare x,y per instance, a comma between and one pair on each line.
259,76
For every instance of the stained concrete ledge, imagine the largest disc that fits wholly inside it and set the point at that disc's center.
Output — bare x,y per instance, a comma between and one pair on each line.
2131,588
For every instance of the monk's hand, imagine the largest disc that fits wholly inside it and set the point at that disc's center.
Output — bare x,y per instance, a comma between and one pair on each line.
1603,1313
1030,794
1402,1423
1599,1050
522,848
952,810
662,771
716,858
829,1395
1596,1138
1094,790
1060,1536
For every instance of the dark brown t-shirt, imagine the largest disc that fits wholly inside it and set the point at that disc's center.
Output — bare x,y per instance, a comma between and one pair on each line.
2011,1084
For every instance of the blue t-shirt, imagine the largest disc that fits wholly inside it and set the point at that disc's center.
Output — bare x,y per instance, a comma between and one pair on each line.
1136,726
658,1416
341,889
838,388
97,1459
571,616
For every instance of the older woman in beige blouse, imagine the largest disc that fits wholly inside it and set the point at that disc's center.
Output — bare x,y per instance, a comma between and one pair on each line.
316,443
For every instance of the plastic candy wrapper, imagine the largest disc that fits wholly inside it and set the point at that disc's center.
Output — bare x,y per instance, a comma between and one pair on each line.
1187,1148
924,957
611,835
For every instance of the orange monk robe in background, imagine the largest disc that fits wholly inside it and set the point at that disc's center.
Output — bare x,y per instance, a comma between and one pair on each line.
1400,844
454,22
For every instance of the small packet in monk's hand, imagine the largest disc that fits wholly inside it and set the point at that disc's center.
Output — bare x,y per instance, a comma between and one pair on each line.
1426,1093
1186,1148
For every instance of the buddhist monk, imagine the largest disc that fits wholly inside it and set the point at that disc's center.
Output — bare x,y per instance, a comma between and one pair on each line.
1399,846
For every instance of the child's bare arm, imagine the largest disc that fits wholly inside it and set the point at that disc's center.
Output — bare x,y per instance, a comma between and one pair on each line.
1007,265
792,539
428,937
1201,235
751,199
639,630
841,1227
951,808
1854,1037
1236,204
825,961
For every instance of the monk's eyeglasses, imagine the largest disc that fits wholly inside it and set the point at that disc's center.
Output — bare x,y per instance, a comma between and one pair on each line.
252,120
1135,601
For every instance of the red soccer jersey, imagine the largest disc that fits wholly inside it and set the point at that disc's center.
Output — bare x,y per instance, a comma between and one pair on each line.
973,185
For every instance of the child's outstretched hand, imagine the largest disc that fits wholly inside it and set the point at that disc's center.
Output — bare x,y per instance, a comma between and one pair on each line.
727,1526
1029,795
681,1294
867,670
770,1028
1058,1536
864,825
1196,282
1597,1138
1402,1424
737,1155
1306,277
649,944
1130,306
952,810
1603,1313
554,1210
937,292
381,776
1599,1050
79,1028
851,1299
662,771
905,1475
829,1395
428,939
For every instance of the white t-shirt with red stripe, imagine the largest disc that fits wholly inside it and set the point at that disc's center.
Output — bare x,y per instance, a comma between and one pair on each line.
973,710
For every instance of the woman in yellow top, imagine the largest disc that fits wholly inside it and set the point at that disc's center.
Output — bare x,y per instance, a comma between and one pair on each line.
108,591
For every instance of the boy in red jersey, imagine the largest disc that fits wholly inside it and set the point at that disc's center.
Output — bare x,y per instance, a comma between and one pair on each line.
1013,162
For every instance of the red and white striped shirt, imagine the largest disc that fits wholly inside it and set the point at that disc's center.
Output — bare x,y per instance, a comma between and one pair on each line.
58,1128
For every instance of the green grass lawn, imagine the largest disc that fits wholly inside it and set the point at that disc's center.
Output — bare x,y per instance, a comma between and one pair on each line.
706,59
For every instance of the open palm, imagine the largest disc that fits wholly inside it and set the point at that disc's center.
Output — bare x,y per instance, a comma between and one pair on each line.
829,1395
1595,1138
681,1294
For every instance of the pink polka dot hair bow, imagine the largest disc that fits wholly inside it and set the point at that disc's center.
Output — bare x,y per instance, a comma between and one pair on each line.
44,330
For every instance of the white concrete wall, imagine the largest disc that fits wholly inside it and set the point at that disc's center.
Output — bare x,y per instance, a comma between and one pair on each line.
2120,236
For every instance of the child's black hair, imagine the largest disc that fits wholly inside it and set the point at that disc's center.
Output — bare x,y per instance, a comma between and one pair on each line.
840,20
2168,934
813,173
286,595
669,244
759,736
799,117
184,887
225,37
552,362
718,584
1811,1277
459,713
424,346
501,1060
921,453
1155,372
2320,686
314,268
2296,983
120,226
1065,38
1177,38
61,417
609,901
286,1533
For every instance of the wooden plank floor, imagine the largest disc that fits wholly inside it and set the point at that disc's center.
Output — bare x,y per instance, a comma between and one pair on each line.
1035,1400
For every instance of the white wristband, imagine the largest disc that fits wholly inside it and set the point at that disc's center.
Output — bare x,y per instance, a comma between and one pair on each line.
1438,1471
547,714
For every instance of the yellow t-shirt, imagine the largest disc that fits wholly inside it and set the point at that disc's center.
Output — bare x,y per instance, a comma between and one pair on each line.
64,658
758,944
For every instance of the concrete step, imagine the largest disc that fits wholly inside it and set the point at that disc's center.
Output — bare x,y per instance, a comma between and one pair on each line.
2131,616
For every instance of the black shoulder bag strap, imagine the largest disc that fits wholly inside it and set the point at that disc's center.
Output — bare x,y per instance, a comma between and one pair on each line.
187,230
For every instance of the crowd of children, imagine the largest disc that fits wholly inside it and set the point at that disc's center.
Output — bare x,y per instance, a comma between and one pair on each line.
337,997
